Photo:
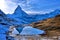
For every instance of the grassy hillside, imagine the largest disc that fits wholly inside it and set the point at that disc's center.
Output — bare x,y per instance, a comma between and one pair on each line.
50,25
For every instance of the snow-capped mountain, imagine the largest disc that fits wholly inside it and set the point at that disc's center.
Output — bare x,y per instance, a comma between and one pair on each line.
48,15
19,12
21,17
54,13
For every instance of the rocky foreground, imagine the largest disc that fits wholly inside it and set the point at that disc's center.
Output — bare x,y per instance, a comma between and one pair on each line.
50,25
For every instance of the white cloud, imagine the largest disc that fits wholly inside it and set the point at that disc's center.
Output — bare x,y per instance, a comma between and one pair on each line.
3,5
11,6
39,12
8,6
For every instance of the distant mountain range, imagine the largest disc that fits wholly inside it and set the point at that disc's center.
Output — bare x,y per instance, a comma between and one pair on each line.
21,17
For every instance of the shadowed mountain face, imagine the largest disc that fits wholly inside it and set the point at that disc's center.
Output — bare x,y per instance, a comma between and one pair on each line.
2,14
3,18
4,23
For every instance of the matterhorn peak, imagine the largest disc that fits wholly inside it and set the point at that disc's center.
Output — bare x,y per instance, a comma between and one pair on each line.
18,8
19,12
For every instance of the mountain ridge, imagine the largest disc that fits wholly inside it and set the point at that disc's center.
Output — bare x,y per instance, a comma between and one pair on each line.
21,17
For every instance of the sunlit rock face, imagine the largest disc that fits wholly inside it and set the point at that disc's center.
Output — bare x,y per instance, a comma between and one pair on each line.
48,24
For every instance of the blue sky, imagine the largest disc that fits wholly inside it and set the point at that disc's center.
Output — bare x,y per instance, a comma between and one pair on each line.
32,6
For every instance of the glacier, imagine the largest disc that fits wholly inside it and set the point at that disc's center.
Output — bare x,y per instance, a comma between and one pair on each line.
29,30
